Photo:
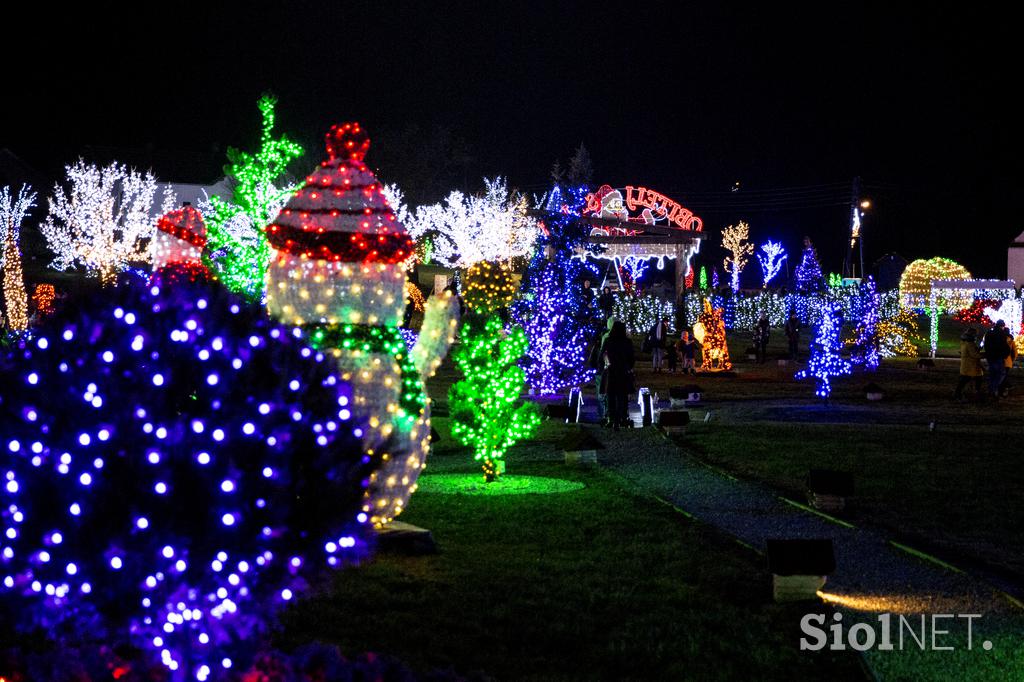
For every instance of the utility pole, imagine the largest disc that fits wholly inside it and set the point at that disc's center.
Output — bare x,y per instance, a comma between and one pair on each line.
856,239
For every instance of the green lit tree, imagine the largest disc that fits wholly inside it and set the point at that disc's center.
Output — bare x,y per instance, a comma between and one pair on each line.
488,413
237,251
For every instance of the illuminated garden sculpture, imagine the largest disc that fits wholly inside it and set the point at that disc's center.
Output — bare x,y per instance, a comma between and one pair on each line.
710,334
338,270
176,466
916,284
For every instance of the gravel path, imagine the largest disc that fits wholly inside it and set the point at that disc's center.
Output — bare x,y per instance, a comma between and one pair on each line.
872,575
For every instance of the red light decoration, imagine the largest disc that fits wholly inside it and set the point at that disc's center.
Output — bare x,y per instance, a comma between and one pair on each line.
607,202
185,223
43,298
340,214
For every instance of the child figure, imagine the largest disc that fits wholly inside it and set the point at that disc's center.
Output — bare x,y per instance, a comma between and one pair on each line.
686,348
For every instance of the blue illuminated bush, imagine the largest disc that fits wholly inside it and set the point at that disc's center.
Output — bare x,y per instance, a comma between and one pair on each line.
174,464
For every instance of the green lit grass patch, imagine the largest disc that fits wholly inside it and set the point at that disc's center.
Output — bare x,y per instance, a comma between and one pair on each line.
474,484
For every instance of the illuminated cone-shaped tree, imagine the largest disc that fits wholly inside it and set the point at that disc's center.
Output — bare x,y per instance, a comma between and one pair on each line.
487,410
809,276
551,308
825,361
866,339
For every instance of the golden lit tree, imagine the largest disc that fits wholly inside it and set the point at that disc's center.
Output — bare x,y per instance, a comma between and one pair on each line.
734,240
12,212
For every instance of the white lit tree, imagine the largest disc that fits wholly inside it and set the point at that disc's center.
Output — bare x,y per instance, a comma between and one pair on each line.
12,212
104,220
771,261
734,240
470,229
396,200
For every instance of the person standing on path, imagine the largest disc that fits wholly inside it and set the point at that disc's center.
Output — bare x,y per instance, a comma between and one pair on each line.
606,302
792,330
1011,346
596,362
762,330
617,355
588,300
970,365
996,352
658,338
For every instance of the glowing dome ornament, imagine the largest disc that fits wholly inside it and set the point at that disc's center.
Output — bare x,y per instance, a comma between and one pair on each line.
916,284
338,269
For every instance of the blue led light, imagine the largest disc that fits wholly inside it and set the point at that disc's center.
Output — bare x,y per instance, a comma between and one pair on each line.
242,493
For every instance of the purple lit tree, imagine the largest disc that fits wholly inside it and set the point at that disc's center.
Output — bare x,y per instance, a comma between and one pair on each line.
809,277
866,337
551,308
176,467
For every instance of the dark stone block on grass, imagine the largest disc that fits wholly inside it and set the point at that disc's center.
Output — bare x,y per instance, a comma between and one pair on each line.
800,556
558,411
399,537
799,567
580,447
830,482
828,490
673,422
874,392
690,394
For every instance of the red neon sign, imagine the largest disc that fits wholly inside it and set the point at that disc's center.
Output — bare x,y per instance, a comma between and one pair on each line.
655,206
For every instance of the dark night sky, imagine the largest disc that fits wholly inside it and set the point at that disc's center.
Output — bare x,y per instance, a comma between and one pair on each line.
686,101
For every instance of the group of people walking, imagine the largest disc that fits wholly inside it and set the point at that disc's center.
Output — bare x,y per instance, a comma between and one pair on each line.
999,351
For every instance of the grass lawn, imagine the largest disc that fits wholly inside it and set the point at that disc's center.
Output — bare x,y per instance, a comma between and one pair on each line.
595,583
